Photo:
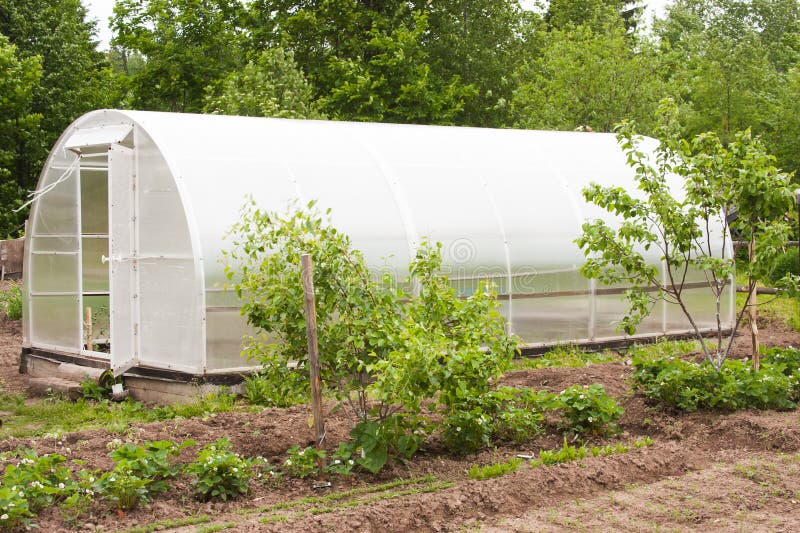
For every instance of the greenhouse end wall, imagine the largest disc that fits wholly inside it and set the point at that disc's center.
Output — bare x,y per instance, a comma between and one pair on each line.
141,231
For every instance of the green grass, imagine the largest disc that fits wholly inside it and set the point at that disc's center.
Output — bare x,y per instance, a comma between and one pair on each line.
337,496
784,308
171,523
213,528
568,355
55,416
432,486
664,348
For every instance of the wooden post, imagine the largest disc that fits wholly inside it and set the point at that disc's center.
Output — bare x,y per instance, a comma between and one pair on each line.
753,310
313,353
87,327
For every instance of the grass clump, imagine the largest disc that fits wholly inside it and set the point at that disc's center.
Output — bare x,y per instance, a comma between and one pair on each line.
56,416
568,355
663,348
11,301
495,470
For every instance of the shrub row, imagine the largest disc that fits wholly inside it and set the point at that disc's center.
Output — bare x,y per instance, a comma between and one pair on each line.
139,472
690,386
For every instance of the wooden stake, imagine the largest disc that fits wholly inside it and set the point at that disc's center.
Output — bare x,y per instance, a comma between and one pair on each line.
87,327
313,353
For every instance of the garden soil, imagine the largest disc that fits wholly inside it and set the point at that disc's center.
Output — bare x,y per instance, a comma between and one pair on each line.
705,471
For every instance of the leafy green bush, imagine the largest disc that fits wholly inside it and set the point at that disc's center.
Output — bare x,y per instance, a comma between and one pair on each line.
689,386
505,413
45,479
123,487
467,429
588,409
14,511
495,470
11,302
302,463
567,355
219,472
150,461
260,388
378,340
139,472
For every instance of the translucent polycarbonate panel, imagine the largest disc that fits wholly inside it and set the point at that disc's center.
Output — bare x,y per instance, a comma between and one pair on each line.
551,320
540,227
171,318
370,216
163,228
56,321
56,211
54,272
226,207
95,271
215,298
53,244
610,310
550,282
94,201
125,330
224,333
468,286
702,309
101,326
469,230
528,313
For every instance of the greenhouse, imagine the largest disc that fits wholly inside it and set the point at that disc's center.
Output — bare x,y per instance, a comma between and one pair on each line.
123,256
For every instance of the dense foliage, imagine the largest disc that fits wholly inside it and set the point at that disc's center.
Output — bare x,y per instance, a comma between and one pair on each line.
731,64
385,344
678,226
688,386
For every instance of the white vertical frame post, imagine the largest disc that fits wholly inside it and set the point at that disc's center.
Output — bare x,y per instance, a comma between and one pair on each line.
79,237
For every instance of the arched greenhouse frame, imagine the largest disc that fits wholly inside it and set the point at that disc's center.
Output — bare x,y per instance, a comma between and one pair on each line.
132,208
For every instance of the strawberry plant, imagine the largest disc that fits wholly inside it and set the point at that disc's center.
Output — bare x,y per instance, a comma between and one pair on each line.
587,409
123,487
14,510
44,479
218,472
735,385
150,461
302,463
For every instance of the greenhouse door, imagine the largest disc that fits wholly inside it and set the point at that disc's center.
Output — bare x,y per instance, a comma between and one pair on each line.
123,227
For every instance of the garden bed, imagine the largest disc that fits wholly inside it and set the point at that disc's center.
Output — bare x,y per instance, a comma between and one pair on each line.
714,470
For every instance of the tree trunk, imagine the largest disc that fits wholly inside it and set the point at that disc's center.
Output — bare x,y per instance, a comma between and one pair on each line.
753,310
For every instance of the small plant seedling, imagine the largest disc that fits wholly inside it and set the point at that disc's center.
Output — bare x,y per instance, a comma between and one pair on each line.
495,470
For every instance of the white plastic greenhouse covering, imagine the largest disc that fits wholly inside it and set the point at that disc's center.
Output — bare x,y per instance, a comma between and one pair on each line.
137,205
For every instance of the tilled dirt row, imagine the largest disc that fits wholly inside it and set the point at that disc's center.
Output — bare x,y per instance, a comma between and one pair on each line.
709,470
532,498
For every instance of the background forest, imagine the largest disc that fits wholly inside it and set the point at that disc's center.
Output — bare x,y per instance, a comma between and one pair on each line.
731,64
